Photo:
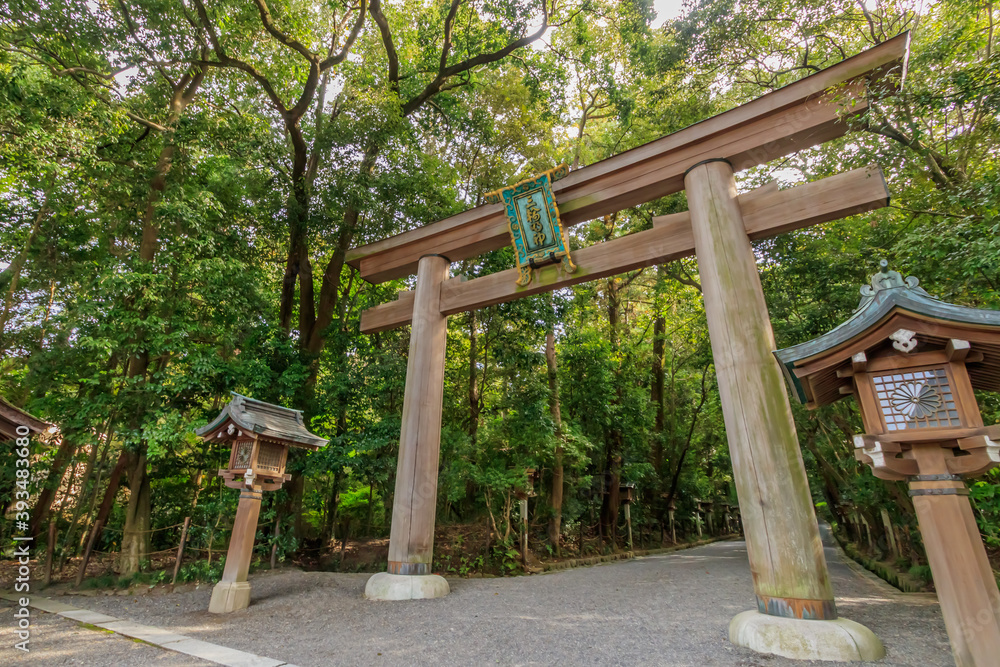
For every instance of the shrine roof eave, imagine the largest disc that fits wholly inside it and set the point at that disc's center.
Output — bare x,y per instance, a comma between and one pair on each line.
268,420
840,343
12,416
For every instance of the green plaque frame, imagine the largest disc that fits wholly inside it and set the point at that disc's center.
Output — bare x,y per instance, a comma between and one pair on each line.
536,232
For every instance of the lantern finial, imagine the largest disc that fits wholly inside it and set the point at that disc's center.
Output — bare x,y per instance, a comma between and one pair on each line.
883,280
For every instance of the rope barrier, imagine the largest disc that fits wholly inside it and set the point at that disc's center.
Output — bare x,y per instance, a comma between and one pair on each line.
151,553
152,530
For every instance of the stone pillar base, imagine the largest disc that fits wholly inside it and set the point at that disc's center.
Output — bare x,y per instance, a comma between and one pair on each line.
385,586
229,596
841,640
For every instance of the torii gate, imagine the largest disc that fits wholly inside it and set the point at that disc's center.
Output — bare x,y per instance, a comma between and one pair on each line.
796,614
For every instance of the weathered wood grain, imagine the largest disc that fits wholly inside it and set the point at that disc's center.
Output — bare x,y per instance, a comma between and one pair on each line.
411,537
783,543
767,211
963,577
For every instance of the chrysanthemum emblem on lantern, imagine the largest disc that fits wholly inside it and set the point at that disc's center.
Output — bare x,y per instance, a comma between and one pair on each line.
916,400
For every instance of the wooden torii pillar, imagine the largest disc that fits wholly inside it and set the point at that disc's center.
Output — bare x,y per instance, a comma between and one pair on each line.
796,615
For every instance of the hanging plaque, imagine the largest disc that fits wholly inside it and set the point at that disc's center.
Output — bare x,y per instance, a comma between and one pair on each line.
533,218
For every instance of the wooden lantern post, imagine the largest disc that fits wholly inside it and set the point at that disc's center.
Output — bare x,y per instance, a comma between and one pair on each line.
626,494
912,363
673,527
522,501
260,434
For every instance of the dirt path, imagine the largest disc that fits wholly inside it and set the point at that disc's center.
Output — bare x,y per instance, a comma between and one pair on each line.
670,609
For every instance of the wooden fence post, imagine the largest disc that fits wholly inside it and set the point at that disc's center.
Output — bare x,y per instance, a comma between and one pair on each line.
86,552
49,552
180,550
524,531
277,534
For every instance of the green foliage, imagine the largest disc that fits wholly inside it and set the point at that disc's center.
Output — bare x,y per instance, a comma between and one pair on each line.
202,571
506,556
921,573
986,503
162,255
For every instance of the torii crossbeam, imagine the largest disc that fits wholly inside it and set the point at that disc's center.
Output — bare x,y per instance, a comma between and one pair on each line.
796,615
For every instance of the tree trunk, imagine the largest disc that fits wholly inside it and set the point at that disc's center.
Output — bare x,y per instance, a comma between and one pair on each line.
555,522
331,510
611,503
40,512
614,443
371,507
473,379
136,540
84,493
138,516
656,392
114,481
296,489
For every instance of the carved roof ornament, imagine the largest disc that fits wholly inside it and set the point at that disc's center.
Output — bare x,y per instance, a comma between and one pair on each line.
903,340
886,279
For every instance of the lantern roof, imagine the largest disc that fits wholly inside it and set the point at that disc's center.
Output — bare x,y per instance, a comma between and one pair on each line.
890,305
12,416
270,421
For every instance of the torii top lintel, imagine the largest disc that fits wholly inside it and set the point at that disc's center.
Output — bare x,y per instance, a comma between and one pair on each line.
800,115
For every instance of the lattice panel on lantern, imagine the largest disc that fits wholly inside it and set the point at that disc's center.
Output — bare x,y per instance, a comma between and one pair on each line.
916,399
269,457
242,453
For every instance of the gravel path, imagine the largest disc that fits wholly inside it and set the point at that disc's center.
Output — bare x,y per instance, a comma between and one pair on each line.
670,609
59,641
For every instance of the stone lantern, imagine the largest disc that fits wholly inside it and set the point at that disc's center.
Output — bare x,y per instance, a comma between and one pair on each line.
522,497
260,435
696,517
727,517
912,362
671,508
626,494
705,509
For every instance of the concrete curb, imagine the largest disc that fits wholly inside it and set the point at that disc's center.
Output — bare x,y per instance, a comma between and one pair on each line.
165,639
885,573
